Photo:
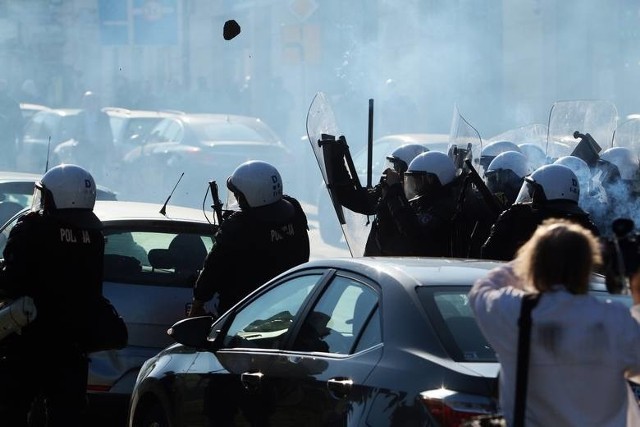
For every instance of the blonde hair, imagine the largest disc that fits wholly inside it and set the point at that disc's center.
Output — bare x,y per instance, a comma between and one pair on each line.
559,252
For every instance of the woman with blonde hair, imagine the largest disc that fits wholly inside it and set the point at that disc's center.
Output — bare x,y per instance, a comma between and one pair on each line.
582,350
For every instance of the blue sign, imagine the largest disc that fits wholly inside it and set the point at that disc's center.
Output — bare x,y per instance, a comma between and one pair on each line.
114,22
155,22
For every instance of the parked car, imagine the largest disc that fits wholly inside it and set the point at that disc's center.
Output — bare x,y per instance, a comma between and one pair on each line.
42,133
16,192
129,128
151,263
329,226
204,147
342,341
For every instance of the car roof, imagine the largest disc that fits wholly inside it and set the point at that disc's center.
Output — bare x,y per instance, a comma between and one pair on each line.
31,106
60,111
417,271
109,210
452,271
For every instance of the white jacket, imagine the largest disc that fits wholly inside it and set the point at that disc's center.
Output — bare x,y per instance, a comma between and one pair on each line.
582,351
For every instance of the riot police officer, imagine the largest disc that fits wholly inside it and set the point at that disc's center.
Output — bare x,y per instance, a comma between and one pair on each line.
54,255
383,239
505,174
551,191
268,235
418,210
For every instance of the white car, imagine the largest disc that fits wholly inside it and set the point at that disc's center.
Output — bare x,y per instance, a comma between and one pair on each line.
151,263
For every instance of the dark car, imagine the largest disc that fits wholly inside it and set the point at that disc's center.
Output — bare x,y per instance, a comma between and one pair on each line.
351,341
204,147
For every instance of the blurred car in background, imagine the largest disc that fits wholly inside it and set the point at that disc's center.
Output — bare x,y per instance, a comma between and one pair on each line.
150,265
350,341
327,219
43,132
16,192
204,147
129,128
28,110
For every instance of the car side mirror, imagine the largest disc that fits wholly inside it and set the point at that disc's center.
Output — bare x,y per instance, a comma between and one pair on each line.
192,331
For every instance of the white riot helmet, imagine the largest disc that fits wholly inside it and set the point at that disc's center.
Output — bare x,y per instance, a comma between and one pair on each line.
623,159
535,154
64,187
255,183
400,158
550,182
490,151
427,173
510,160
579,167
505,174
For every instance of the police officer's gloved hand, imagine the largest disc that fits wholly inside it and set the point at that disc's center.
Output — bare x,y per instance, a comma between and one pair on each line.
196,309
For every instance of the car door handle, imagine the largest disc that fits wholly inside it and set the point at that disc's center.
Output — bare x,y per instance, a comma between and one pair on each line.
339,387
251,380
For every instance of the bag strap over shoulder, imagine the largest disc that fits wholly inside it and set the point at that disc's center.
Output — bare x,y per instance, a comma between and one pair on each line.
529,302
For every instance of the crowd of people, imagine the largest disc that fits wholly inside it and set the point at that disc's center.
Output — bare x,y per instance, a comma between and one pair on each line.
433,204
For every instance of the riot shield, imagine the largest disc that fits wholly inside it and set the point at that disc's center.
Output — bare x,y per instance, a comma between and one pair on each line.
627,135
465,143
597,118
322,129
530,134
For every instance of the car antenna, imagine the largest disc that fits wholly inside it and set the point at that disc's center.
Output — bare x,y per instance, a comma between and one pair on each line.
46,166
163,210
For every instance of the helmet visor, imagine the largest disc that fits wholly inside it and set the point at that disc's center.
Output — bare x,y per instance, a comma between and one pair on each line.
419,184
500,180
526,191
37,202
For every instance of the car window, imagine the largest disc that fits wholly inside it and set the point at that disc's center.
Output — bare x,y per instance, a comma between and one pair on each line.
158,132
337,320
173,132
154,258
138,127
265,321
453,320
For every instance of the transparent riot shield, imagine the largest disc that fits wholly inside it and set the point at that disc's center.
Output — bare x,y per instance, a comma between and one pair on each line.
465,143
597,118
530,134
627,135
321,129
